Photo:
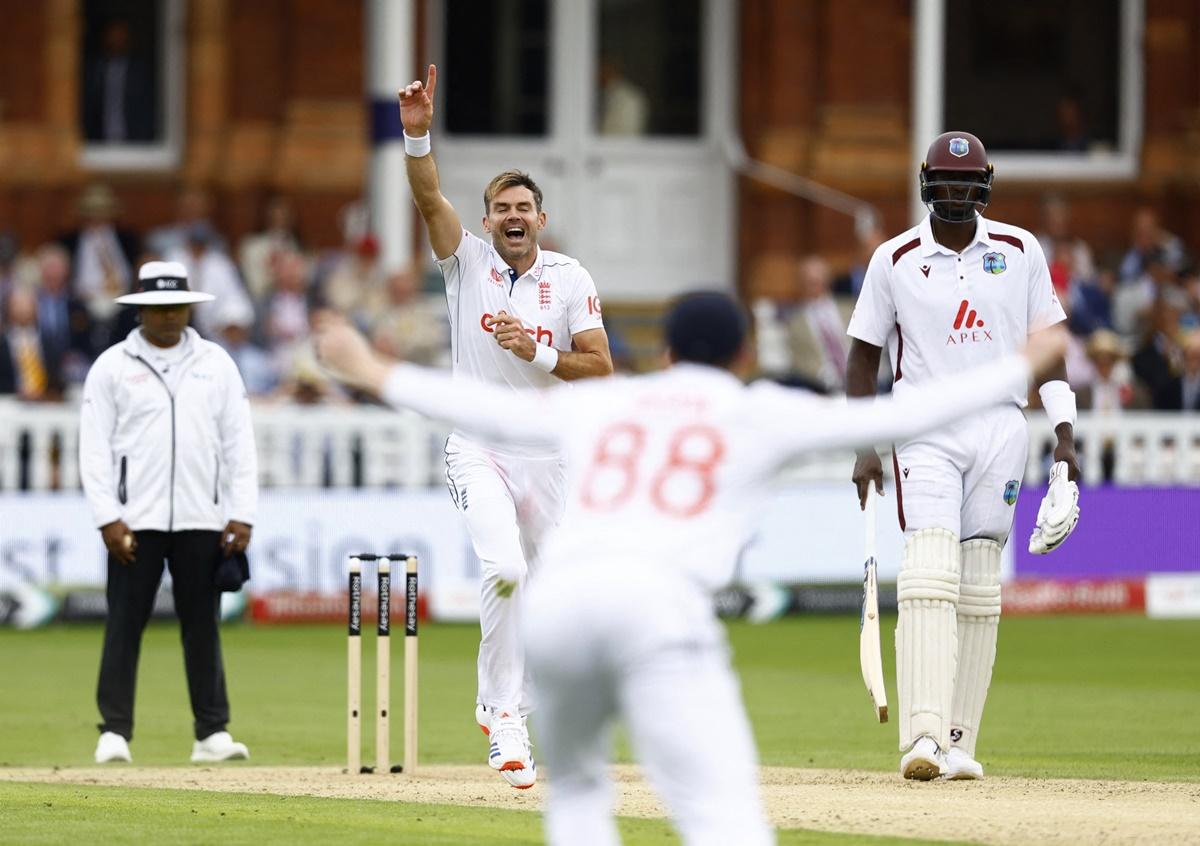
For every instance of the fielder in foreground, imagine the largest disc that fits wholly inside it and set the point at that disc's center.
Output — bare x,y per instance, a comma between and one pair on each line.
944,296
664,474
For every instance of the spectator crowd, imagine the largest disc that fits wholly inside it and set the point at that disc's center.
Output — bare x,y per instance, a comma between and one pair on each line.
1134,313
1134,317
57,312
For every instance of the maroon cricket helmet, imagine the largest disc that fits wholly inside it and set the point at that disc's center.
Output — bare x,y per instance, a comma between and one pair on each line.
959,163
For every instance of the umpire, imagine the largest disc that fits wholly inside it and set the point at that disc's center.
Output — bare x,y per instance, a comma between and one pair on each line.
166,453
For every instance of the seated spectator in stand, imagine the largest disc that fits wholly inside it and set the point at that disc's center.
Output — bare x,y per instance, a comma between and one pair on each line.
286,313
1091,304
354,278
849,284
1112,388
259,372
194,208
1182,392
101,254
1058,242
258,251
816,329
408,325
1188,283
1157,359
26,368
1149,240
1111,391
1134,299
64,324
210,271
16,268
304,380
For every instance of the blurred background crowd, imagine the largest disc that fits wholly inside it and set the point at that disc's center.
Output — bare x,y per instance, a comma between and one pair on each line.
57,312
1133,312
1134,308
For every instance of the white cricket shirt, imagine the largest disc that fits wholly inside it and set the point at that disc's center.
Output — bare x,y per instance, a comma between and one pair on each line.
669,470
555,299
940,312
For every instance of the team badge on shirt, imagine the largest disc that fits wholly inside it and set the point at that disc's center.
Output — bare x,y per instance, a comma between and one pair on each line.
994,263
1010,492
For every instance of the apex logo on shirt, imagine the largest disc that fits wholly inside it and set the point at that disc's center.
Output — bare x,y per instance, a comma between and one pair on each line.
968,327
925,270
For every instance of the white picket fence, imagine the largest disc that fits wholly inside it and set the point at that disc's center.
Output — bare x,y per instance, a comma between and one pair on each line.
298,447
363,446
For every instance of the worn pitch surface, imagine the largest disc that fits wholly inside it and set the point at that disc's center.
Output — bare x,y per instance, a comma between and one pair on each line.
1003,810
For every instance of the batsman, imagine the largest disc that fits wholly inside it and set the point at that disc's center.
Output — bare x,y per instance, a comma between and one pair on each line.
948,294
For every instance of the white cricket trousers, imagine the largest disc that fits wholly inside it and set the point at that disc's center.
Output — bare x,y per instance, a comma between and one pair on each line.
964,478
509,503
610,640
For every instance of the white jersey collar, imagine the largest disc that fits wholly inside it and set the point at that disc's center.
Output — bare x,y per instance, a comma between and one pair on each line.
930,245
502,268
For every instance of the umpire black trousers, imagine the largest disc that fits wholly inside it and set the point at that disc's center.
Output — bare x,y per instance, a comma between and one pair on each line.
192,557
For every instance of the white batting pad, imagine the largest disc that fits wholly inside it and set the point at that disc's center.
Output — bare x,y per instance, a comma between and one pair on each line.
926,636
978,624
1058,513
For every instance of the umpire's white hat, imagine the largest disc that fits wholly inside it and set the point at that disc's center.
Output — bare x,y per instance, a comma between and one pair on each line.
163,283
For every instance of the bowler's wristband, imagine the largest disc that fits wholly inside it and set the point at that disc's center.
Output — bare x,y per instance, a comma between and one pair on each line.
545,358
417,147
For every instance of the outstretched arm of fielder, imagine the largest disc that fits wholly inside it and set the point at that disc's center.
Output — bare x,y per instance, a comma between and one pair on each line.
835,424
416,113
487,411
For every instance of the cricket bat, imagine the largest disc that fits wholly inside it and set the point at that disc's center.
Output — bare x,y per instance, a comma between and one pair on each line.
869,655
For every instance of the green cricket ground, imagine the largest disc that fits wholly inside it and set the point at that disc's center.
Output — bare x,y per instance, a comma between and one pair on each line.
1091,729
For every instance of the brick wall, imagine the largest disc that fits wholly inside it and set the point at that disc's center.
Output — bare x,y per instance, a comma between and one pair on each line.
826,93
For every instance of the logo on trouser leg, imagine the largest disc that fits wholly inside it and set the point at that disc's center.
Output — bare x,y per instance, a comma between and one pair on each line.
1010,491
955,735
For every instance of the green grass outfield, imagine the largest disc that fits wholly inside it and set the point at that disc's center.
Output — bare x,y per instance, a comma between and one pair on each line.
1092,697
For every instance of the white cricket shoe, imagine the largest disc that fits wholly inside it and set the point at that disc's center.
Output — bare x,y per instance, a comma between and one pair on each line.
924,761
961,766
112,747
510,751
219,746
484,717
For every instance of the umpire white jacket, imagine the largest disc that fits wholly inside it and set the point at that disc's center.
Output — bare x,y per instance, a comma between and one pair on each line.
167,461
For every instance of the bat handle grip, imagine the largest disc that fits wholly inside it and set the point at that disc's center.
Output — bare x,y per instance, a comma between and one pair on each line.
869,521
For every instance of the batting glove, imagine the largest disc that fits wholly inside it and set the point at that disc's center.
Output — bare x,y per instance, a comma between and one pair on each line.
1058,513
